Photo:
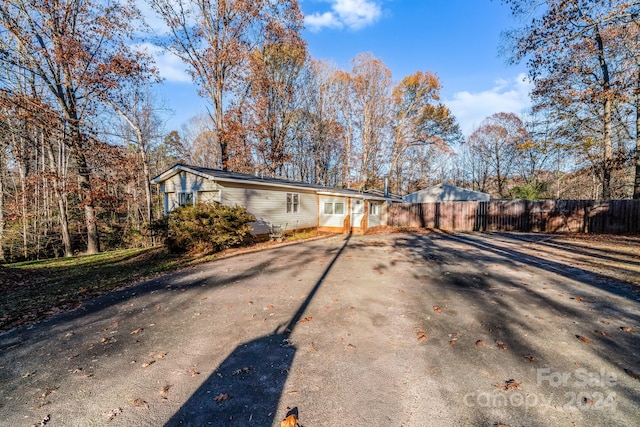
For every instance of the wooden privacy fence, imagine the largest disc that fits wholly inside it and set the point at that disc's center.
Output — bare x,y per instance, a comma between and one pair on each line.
537,216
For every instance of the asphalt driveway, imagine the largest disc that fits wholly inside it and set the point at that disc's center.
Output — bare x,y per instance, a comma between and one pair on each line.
382,330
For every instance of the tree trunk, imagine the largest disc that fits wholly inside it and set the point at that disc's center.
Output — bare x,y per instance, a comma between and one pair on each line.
91,221
60,200
607,161
2,221
636,183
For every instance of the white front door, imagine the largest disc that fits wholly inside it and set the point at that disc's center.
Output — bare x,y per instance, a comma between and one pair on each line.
357,212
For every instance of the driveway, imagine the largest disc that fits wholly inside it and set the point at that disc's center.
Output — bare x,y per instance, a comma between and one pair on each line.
407,329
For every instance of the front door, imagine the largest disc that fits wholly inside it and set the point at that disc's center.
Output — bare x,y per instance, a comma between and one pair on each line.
357,212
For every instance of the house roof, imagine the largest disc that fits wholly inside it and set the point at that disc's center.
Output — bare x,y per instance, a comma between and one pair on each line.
227,176
445,193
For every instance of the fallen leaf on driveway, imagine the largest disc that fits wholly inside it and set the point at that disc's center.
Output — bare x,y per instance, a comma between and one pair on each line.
149,363
136,331
422,335
583,339
305,320
139,403
531,358
509,385
165,391
502,345
193,372
113,413
222,397
480,343
437,309
603,333
351,346
626,329
241,371
290,421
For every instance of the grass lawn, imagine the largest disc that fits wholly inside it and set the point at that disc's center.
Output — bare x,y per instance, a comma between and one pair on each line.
34,290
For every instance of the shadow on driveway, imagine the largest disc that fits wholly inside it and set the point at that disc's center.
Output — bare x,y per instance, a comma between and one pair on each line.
247,386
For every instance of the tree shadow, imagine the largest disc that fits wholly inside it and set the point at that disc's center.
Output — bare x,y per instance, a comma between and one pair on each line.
247,386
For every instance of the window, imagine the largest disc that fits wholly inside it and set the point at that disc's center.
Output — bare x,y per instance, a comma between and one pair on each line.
328,208
185,199
374,208
331,208
293,202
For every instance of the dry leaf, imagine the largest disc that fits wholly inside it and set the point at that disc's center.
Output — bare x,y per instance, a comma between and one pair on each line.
139,403
149,363
222,397
531,358
583,339
44,421
241,371
626,329
269,307
437,309
113,413
305,320
136,331
351,346
290,421
313,347
603,333
509,385
480,343
193,372
422,336
587,401
502,345
165,391
161,355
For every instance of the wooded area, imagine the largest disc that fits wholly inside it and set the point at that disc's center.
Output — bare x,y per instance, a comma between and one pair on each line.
82,134
528,216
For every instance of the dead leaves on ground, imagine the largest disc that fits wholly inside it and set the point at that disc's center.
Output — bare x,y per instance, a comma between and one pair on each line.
165,391
583,339
139,403
112,413
290,421
305,320
437,309
222,397
531,358
502,345
454,337
44,421
136,331
422,335
509,385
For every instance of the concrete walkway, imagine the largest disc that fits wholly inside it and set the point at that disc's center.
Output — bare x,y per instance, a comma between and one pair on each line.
381,330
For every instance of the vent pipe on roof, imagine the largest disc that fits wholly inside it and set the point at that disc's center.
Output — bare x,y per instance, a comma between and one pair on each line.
386,186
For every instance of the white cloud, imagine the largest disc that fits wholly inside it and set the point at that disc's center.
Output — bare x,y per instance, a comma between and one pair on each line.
353,14
171,68
509,96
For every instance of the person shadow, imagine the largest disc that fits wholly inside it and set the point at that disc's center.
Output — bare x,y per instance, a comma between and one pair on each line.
247,386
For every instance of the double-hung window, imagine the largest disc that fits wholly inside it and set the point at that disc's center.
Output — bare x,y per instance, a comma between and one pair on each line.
293,202
374,208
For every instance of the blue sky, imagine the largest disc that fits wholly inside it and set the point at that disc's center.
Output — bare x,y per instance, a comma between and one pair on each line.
457,39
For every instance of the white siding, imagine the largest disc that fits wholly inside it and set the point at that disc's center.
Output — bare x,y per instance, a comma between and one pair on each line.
332,220
270,206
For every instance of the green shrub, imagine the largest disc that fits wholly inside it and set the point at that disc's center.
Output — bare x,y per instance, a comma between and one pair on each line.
205,228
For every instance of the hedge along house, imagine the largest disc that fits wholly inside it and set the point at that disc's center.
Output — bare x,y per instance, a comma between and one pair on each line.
273,201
